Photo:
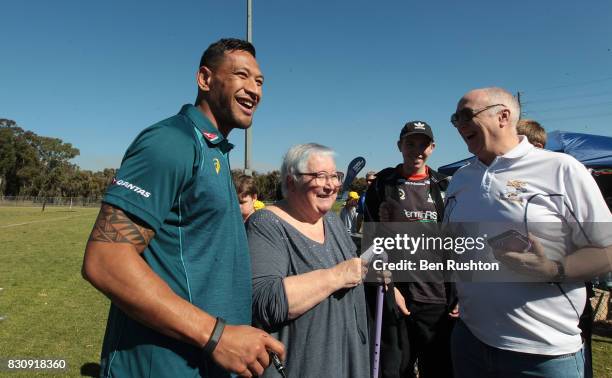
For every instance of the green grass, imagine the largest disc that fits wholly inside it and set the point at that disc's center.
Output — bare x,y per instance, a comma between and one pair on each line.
602,350
602,357
51,312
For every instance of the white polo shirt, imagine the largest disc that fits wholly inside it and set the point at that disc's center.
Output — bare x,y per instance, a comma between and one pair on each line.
535,185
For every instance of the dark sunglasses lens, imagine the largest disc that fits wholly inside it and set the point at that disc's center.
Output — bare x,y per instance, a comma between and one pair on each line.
461,116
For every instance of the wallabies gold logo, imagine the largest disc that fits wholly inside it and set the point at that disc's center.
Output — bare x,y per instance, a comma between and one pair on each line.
217,165
514,189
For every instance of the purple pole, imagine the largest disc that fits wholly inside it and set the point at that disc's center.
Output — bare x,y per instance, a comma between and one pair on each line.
380,295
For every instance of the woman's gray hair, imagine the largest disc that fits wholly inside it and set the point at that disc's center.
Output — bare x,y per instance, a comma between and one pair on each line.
296,161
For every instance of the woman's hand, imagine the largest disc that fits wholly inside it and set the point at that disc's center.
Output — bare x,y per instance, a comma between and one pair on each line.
349,273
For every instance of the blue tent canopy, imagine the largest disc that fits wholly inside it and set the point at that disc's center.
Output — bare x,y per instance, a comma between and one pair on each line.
449,169
594,151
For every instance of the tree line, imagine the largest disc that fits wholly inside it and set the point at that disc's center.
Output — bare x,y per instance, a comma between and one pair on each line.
39,166
268,184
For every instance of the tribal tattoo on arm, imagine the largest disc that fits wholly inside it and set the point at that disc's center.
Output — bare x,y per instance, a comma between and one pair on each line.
114,226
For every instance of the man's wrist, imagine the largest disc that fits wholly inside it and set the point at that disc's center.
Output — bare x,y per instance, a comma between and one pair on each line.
559,275
213,340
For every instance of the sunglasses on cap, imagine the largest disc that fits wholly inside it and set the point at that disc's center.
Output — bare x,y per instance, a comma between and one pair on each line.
465,115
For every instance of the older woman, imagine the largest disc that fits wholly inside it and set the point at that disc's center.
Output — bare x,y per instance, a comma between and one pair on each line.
306,276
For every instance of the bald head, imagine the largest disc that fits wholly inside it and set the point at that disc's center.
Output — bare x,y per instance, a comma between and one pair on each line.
494,95
486,118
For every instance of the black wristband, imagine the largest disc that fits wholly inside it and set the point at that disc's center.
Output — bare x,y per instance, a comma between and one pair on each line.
214,336
560,276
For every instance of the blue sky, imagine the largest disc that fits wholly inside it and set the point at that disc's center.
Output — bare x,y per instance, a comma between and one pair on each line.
347,74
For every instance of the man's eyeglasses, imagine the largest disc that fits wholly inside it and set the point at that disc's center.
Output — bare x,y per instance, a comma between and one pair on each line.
321,178
465,115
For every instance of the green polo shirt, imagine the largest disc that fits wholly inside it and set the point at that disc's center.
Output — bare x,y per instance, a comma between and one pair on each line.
176,178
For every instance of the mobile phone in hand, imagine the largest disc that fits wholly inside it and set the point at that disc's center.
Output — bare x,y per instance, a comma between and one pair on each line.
510,240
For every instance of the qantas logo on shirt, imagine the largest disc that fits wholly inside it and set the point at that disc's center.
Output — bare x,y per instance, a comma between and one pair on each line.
132,187
211,136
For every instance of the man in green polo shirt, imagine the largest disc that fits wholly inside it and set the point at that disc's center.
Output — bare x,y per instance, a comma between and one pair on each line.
169,247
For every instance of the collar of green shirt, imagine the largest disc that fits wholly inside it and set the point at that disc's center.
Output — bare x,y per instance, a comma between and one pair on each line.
210,133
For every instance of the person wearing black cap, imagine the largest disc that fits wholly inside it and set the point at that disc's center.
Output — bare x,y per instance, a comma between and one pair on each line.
417,316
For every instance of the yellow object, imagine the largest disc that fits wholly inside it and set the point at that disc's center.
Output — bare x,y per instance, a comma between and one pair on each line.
353,195
258,205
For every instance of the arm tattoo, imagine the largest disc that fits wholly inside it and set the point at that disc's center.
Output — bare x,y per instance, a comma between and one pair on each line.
114,226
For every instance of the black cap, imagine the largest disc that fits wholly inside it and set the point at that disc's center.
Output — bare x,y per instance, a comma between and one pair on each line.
416,127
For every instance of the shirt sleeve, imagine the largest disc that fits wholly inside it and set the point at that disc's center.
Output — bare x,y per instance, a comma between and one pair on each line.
587,212
153,173
270,265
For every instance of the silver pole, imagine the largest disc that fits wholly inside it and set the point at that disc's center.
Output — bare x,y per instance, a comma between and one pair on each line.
248,137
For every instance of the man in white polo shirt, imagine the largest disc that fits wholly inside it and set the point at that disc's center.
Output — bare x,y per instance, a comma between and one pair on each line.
524,328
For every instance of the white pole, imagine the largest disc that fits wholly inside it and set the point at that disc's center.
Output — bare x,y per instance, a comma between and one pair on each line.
248,137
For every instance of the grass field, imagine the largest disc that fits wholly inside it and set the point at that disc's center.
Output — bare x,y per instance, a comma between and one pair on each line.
51,312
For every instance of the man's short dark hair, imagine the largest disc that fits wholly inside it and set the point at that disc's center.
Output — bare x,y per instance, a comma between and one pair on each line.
215,52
